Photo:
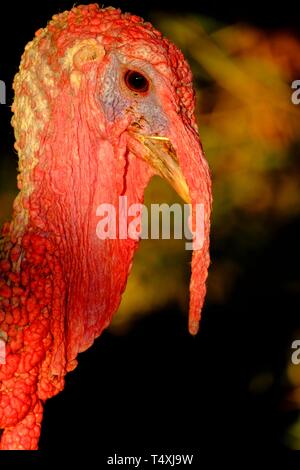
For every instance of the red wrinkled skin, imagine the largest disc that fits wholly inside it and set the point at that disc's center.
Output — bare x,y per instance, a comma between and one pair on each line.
60,284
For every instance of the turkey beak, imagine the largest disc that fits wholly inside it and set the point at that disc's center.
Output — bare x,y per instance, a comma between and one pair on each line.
160,154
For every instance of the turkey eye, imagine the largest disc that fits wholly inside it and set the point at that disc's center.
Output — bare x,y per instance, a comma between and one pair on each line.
135,81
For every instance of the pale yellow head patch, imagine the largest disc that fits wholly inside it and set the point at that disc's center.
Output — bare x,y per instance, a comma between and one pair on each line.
89,52
82,52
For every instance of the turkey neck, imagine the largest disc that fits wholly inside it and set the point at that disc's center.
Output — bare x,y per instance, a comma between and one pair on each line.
78,168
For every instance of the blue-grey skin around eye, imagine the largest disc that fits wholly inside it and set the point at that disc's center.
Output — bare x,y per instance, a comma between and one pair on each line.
117,100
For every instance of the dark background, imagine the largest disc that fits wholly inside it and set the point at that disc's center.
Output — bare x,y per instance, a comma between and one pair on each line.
157,388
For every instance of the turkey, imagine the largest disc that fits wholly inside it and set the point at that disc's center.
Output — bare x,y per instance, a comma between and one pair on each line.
102,103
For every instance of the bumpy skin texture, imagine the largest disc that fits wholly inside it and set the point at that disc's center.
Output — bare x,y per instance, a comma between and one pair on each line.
60,284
